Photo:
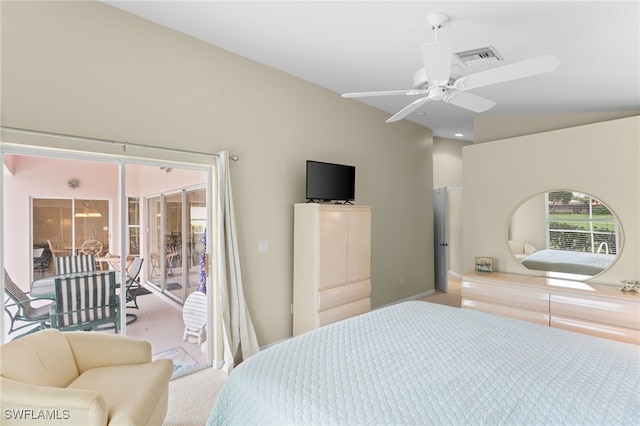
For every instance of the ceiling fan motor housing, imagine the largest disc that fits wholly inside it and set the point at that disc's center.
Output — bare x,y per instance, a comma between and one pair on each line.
420,81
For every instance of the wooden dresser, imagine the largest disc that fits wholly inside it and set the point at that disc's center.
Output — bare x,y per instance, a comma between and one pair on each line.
331,264
594,309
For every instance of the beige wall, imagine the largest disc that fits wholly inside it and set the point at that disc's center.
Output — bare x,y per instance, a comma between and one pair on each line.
447,172
601,159
88,69
44,177
488,128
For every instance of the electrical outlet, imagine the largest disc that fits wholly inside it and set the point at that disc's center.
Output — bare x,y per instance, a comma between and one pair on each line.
402,280
263,246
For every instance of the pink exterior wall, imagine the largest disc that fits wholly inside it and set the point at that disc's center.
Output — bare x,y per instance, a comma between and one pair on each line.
40,177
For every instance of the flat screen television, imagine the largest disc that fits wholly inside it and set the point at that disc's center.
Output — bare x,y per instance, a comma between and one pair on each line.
330,182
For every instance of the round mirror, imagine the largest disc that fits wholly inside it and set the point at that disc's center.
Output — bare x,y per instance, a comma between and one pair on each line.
564,234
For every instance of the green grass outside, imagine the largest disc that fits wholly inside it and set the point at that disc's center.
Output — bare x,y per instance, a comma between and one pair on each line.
605,222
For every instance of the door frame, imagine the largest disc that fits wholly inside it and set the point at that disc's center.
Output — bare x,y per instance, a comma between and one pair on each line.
87,149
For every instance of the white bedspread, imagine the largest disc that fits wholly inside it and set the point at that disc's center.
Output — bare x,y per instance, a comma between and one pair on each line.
570,262
418,363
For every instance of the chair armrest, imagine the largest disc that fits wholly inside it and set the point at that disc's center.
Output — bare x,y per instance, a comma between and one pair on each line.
93,350
26,302
24,404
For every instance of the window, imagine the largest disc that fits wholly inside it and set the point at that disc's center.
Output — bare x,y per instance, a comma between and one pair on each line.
579,222
133,225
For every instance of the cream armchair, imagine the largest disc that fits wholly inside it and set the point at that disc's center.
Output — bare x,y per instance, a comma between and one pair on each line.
521,250
82,378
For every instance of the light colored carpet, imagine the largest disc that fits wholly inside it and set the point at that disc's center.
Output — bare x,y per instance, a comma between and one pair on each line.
191,397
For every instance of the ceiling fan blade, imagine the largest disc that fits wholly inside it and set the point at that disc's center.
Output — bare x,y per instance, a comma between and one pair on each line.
408,109
526,68
384,93
469,101
437,61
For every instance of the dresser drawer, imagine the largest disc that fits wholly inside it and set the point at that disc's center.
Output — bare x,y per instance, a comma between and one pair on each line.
598,309
343,294
344,311
608,331
535,317
518,296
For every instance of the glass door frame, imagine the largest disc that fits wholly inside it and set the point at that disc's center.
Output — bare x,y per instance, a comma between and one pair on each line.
158,245
90,151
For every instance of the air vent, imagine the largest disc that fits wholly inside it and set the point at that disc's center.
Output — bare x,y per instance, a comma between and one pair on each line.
479,56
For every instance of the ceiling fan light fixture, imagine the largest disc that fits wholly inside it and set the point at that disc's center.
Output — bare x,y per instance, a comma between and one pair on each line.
439,79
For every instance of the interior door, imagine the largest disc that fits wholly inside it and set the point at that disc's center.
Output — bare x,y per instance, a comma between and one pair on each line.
440,238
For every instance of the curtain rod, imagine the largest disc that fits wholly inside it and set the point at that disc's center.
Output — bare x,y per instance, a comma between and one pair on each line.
98,140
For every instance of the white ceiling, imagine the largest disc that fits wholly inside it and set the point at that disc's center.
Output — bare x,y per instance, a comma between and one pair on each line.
375,45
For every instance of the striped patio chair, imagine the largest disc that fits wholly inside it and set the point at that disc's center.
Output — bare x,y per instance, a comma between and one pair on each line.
22,310
73,264
84,302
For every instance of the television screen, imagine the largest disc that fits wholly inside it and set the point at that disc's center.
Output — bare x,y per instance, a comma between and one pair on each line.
330,182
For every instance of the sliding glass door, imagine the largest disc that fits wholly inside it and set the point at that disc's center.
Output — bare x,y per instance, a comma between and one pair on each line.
133,209
177,223
62,226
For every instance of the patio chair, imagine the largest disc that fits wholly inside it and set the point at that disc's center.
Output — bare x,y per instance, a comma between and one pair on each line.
84,302
132,285
73,264
91,247
194,315
56,250
40,262
24,308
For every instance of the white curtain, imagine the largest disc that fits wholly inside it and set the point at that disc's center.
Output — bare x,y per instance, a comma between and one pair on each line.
239,337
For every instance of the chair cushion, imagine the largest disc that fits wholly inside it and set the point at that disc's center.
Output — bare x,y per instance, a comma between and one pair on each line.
72,264
44,359
132,392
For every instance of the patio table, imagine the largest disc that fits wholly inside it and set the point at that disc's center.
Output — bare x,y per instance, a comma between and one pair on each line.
114,261
46,287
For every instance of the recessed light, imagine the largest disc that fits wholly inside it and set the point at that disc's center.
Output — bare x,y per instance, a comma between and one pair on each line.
420,113
458,135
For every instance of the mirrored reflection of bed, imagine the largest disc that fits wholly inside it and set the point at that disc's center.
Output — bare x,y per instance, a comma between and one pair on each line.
422,363
579,235
570,262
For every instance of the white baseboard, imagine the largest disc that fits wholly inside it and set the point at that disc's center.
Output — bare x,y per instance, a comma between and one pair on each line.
455,274
408,299
274,343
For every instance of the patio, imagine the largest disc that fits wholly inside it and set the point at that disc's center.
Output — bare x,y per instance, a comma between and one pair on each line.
159,321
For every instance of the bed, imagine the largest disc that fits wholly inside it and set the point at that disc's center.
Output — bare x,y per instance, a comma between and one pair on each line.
421,363
570,262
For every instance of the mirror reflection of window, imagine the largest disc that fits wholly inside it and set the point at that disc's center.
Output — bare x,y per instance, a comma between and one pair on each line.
566,234
579,222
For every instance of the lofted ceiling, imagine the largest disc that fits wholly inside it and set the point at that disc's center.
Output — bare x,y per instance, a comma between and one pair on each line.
361,46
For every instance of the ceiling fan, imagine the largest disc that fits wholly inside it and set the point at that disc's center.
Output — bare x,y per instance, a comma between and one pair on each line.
434,80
